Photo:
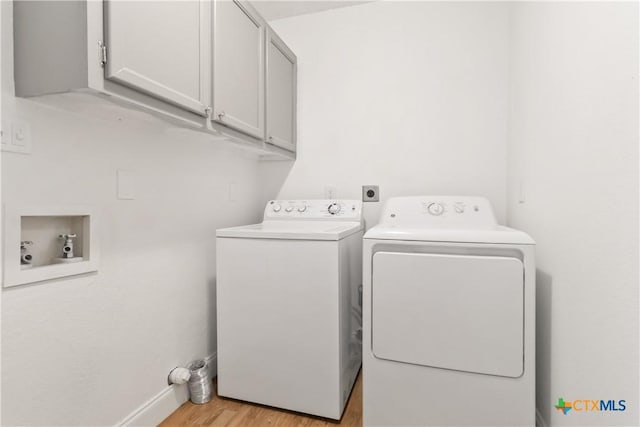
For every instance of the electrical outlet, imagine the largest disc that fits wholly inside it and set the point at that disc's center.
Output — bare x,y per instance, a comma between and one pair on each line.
370,193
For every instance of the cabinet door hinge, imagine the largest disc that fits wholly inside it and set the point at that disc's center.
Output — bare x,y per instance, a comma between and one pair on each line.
103,53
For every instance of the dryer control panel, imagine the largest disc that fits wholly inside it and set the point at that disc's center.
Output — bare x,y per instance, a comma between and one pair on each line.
324,209
439,211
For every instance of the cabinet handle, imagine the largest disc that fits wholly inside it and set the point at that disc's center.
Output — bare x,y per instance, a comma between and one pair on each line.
221,115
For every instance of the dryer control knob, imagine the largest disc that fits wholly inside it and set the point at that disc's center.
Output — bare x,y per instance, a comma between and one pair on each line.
289,208
302,208
435,209
333,208
276,208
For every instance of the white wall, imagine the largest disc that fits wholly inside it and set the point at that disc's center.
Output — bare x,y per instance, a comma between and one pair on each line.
431,97
411,96
574,144
90,350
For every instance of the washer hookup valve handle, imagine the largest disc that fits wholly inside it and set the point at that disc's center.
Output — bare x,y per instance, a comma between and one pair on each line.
67,247
25,258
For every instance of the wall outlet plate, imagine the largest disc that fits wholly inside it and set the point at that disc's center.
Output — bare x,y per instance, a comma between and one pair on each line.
17,139
126,184
370,193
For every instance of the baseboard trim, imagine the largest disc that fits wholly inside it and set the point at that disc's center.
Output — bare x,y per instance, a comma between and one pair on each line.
163,404
539,419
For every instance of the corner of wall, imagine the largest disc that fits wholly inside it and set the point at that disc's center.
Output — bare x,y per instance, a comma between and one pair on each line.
540,421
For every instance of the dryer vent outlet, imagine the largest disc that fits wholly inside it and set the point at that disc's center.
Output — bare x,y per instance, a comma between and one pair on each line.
370,193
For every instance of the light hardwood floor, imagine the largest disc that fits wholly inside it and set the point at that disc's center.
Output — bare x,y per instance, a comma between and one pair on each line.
222,412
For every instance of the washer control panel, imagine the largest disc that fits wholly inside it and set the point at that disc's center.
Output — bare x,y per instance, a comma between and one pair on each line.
344,210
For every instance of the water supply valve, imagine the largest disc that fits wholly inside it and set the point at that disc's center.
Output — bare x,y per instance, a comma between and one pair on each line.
25,258
67,247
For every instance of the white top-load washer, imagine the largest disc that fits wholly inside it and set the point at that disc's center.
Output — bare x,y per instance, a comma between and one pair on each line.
289,306
448,318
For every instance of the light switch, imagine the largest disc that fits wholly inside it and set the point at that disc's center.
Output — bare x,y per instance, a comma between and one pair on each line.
16,138
21,134
126,184
233,190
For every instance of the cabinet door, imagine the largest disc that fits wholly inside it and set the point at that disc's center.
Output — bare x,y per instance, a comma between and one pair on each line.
160,48
238,67
281,93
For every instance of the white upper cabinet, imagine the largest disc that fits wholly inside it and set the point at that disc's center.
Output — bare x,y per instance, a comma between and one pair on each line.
238,67
281,93
160,48
212,65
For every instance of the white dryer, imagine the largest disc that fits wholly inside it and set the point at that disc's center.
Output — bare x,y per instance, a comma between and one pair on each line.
289,306
449,317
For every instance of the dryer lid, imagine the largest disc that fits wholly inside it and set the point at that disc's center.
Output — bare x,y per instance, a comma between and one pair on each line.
443,219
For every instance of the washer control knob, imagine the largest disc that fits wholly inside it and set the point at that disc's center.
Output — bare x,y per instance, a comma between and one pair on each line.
288,208
459,207
333,208
435,209
276,208
302,208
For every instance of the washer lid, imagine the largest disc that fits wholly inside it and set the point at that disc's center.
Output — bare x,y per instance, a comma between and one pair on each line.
293,230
